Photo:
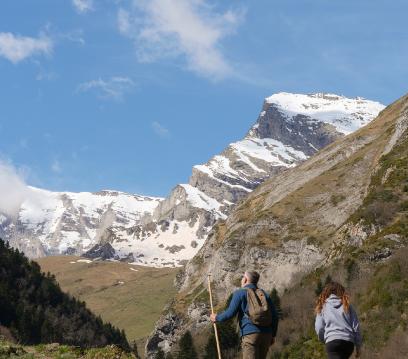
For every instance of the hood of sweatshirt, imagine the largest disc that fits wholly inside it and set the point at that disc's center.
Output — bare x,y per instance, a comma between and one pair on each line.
333,323
334,301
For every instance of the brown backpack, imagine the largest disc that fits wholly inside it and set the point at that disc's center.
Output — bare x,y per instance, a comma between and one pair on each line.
259,311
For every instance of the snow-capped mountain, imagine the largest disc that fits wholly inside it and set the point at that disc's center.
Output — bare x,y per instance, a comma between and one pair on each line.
71,223
164,232
289,129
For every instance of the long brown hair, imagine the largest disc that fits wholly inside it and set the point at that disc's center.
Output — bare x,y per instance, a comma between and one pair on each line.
336,289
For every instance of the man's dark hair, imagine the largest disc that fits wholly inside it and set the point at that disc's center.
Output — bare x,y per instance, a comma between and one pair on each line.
252,276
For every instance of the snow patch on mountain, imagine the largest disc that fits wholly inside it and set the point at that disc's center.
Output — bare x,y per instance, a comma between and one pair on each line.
167,246
199,199
249,152
220,165
269,150
346,114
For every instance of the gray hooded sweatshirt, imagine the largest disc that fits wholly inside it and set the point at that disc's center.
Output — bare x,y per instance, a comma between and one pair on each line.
333,323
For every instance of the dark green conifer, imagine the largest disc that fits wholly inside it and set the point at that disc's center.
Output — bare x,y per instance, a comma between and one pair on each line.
159,354
186,347
319,287
277,302
35,309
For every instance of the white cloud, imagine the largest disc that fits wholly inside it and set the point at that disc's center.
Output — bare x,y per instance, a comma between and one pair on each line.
56,167
16,48
76,36
45,75
124,21
113,88
188,28
160,130
13,190
83,6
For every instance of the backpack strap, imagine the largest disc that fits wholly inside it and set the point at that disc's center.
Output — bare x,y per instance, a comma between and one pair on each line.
246,307
256,296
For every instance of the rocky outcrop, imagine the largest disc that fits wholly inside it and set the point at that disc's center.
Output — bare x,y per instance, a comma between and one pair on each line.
300,133
165,334
100,251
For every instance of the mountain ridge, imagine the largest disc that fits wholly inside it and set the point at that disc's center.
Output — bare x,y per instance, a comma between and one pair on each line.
168,232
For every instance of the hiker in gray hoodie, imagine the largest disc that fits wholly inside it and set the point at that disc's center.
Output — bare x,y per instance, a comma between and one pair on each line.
337,323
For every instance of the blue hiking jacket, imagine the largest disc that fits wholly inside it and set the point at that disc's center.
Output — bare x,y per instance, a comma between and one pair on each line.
239,305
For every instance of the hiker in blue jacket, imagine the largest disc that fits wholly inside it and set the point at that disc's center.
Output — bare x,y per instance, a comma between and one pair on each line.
256,339
337,323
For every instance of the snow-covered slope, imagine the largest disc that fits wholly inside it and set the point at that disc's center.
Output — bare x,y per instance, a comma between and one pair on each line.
345,114
164,232
71,223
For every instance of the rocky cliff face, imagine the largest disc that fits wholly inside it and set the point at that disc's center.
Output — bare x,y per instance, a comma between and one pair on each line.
167,232
295,222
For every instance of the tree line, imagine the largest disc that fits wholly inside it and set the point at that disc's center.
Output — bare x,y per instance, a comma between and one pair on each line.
36,310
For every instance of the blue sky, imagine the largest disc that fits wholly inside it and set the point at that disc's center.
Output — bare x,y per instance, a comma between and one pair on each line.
130,94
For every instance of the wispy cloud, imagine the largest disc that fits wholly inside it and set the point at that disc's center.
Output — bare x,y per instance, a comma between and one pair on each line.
124,22
16,48
56,167
46,75
83,6
160,130
187,28
76,36
113,88
13,190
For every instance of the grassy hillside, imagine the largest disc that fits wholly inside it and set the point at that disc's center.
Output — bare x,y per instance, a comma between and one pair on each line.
349,204
130,297
56,351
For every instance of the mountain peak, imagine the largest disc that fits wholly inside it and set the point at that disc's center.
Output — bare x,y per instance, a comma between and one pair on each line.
326,96
345,114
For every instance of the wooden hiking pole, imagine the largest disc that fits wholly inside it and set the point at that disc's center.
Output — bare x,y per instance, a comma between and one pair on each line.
214,324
